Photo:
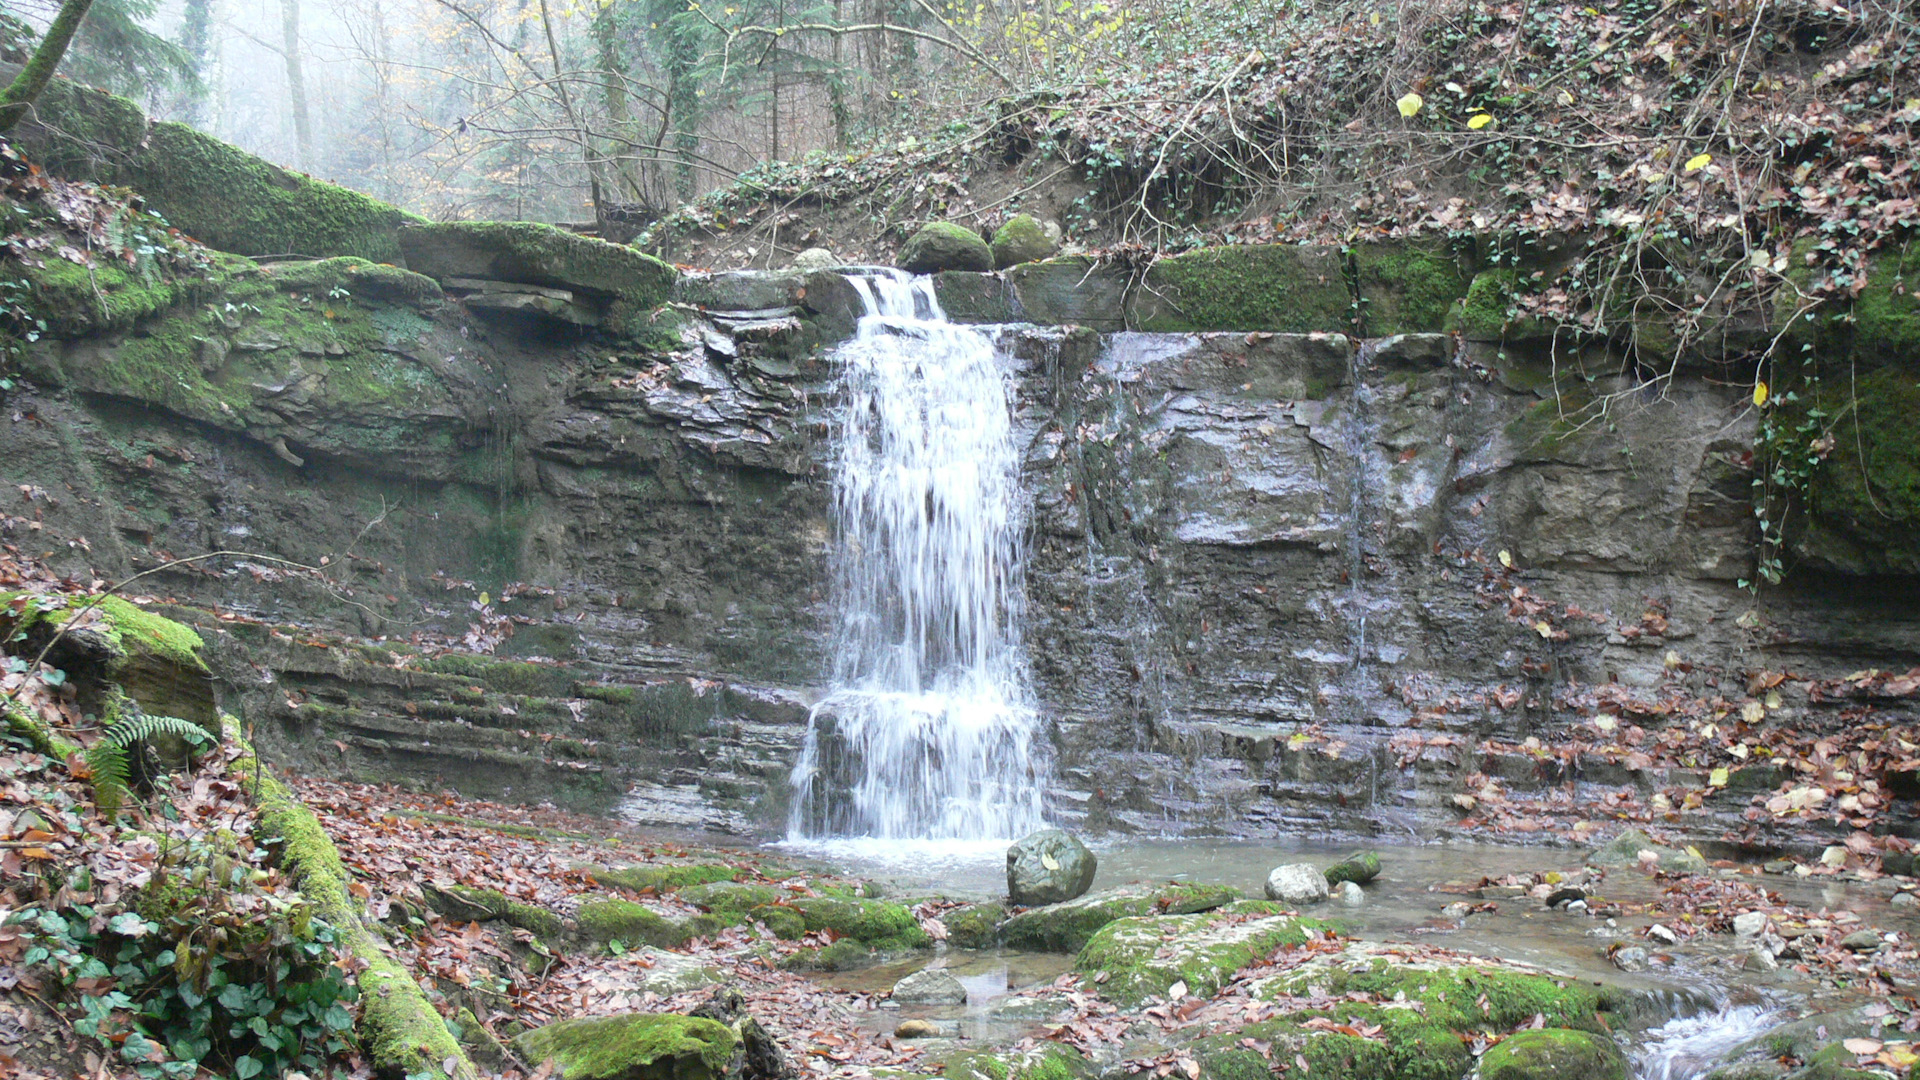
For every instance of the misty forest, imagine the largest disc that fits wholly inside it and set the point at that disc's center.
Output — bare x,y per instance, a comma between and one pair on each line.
984,539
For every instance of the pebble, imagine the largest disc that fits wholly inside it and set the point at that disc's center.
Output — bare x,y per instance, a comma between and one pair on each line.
1905,899
1861,941
1760,960
1633,958
929,988
1663,935
1779,866
1577,907
916,1029
1348,894
1457,910
1749,925
1565,895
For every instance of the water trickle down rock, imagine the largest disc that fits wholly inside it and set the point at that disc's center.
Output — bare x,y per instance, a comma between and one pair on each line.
927,730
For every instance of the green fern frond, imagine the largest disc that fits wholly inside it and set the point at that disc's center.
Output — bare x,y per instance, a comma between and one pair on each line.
111,775
133,729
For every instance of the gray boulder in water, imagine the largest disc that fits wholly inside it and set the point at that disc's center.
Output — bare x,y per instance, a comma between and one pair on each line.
1048,867
1297,883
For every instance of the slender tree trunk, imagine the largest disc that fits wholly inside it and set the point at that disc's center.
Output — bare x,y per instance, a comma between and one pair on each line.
613,91
296,83
837,81
589,155
196,28
26,87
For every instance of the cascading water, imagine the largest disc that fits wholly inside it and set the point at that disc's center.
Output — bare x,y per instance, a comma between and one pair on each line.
1691,1046
927,731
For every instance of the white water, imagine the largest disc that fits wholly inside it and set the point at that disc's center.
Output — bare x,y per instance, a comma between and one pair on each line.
927,731
1691,1046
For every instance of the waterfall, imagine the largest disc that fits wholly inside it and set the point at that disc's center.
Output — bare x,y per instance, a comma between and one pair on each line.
927,729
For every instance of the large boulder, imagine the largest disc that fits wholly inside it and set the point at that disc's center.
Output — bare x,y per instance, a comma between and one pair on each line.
1067,927
929,988
812,259
1554,1054
1048,867
529,253
1297,884
1021,240
1130,960
942,245
656,1046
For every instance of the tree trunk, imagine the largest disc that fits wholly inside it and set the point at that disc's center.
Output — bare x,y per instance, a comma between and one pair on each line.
296,84
26,87
196,27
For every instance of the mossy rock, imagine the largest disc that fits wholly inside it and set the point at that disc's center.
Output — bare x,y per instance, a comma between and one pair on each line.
603,921
1406,288
729,896
1863,499
506,676
1485,312
1021,240
535,254
1284,288
877,923
1554,1054
152,659
371,280
1067,927
1359,867
74,300
1145,956
783,922
662,879
843,955
653,1046
1047,1061
1427,1009
975,926
1886,314
943,245
468,904
1625,850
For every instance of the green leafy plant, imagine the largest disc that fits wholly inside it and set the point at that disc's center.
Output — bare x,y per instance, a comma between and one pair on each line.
111,757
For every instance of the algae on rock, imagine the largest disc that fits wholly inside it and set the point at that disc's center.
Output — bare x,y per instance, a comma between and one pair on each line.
651,1046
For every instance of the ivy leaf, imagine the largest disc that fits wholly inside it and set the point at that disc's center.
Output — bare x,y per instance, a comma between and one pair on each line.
1410,104
246,1067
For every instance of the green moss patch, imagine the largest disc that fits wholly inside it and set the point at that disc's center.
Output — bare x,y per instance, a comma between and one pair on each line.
1886,314
1067,927
634,1047
1145,956
603,921
1278,287
975,926
878,923
1405,288
663,878
728,896
1047,1061
1863,500
535,254
1550,1053
843,955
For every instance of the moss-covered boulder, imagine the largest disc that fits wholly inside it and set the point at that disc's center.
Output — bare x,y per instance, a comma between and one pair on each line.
529,253
879,923
975,926
112,642
843,955
663,879
1284,288
1047,1061
943,245
653,1046
603,921
1405,288
1359,867
215,192
1069,926
1146,956
1021,240
1428,1010
465,903
1554,1054
1886,314
736,897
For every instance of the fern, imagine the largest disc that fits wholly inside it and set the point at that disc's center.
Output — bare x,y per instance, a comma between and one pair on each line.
111,760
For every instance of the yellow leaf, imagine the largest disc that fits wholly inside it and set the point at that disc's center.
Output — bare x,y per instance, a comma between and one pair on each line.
1698,162
1913,104
1375,20
485,599
1566,97
1049,861
1718,778
1901,1059
1774,700
1543,629
1506,559
1739,750
1410,104
1759,394
1605,723
1753,712
1479,120
1673,659
1297,740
